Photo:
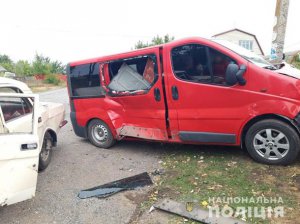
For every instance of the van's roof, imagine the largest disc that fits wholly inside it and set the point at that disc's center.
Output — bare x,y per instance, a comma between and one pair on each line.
122,55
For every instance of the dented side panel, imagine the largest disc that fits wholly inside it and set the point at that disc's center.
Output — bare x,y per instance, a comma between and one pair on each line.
140,132
198,107
139,113
143,115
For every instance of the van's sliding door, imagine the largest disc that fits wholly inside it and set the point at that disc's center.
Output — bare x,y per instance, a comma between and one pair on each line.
136,95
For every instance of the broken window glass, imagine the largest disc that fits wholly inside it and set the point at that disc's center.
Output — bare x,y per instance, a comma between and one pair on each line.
133,74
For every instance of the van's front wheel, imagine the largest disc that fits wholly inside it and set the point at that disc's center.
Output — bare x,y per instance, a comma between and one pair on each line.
272,142
100,134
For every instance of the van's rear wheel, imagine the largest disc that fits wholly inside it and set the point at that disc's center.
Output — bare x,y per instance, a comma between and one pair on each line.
272,142
100,134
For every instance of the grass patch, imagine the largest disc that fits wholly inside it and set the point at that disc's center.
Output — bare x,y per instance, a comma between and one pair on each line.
46,87
52,79
200,173
297,64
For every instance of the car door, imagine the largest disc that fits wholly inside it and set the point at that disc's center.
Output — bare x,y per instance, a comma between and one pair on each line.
202,107
18,153
136,86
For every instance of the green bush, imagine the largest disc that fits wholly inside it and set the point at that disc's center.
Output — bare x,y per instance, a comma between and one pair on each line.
52,79
297,64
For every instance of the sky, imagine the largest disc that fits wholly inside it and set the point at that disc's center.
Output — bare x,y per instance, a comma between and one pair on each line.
73,30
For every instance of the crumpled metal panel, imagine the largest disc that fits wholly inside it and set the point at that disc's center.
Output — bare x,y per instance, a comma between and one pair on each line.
140,132
196,214
114,187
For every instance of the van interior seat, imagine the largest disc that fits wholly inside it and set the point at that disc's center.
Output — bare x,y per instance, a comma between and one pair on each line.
149,71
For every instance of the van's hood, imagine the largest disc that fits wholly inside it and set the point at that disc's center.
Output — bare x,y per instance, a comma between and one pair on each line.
273,83
289,70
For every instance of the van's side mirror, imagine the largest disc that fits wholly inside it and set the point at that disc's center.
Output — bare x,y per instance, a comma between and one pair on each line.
240,75
234,74
230,75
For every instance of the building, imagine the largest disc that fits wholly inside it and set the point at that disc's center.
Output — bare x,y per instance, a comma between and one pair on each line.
242,38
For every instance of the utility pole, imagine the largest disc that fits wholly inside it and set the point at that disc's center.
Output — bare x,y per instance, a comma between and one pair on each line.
281,14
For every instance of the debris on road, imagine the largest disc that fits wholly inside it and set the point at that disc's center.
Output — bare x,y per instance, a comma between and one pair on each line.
114,187
196,214
158,172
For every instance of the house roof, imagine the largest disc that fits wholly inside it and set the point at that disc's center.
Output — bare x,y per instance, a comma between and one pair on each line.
242,31
2,69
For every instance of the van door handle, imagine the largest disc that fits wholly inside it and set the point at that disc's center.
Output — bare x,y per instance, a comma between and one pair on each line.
157,94
175,95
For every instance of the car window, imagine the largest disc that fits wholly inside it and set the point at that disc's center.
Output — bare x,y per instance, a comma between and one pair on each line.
85,80
198,63
133,74
9,90
14,107
245,53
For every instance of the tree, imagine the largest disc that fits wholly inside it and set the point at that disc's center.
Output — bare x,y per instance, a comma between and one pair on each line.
7,63
23,68
296,60
57,67
41,65
155,41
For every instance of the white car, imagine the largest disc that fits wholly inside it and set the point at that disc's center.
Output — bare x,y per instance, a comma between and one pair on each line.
28,131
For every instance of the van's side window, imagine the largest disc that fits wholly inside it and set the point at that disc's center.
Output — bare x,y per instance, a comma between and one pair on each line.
85,80
197,63
133,74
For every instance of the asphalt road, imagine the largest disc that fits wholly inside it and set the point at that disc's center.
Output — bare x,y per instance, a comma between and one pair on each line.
76,165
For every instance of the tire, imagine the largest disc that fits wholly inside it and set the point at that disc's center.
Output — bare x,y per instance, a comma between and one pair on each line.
272,142
46,152
100,134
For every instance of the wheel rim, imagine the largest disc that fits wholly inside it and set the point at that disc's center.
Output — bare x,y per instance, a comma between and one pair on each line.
271,144
100,133
46,149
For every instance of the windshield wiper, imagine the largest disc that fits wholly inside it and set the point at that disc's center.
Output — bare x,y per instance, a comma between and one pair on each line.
270,67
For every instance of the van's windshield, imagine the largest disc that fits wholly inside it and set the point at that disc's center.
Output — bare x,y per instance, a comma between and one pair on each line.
250,56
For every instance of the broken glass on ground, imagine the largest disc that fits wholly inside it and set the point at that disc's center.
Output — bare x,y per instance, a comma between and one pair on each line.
114,187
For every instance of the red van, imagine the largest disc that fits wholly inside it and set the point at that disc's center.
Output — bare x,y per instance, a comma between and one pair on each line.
194,91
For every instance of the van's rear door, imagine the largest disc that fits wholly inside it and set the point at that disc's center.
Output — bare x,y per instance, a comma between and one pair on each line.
19,150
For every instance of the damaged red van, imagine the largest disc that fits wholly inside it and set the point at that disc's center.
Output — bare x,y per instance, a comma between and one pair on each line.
193,91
